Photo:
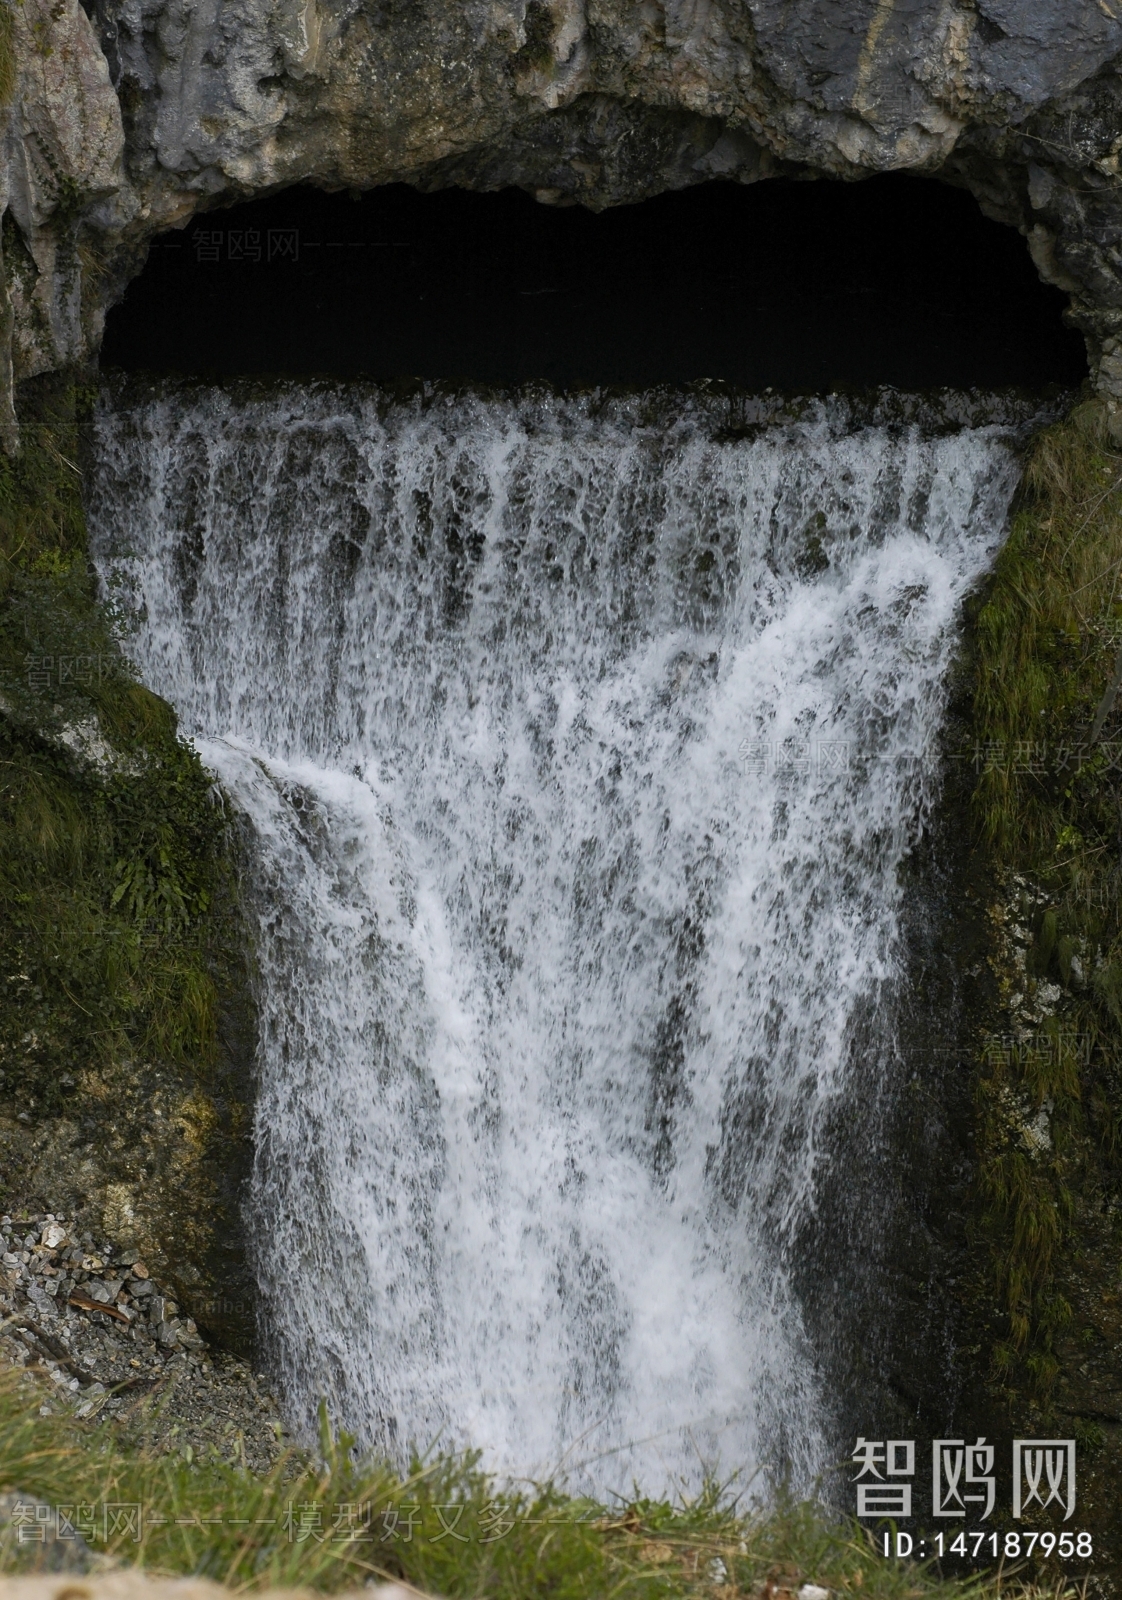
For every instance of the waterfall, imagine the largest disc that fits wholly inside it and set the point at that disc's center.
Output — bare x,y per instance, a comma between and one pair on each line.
580,743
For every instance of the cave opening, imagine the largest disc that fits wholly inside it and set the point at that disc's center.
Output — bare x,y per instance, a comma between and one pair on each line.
804,287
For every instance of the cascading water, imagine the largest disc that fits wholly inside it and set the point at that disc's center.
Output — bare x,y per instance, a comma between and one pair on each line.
581,744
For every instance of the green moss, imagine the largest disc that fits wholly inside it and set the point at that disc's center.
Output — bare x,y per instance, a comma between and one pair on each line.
120,945
540,27
1048,805
7,54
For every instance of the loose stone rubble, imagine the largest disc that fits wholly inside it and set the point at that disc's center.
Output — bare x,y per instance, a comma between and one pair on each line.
86,1319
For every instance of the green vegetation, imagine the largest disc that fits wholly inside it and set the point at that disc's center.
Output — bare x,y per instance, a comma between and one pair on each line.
1049,806
444,1527
111,858
539,27
7,55
119,940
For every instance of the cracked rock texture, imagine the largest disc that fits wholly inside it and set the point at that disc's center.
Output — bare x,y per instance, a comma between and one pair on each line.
125,121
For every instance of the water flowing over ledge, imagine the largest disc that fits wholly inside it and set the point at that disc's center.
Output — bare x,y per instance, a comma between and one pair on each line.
581,745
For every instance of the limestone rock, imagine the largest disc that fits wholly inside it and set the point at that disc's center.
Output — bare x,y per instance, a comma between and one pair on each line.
121,128
61,143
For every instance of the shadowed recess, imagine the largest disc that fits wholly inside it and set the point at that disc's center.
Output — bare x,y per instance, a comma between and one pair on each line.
804,287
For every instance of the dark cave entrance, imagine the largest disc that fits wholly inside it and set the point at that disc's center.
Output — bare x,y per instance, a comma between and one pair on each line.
804,287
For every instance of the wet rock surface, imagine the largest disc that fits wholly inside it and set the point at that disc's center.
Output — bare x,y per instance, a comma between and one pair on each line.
89,1322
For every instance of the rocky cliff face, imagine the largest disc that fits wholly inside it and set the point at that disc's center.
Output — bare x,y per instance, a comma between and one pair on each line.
127,120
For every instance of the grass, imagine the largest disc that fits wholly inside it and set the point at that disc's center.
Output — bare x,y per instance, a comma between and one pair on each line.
331,1522
108,874
1048,742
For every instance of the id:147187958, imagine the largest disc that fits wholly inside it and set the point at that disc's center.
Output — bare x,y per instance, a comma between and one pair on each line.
987,1545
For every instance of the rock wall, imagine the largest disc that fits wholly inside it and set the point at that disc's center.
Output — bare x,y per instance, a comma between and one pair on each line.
127,121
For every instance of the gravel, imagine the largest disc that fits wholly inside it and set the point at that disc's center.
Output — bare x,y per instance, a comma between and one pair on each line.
90,1327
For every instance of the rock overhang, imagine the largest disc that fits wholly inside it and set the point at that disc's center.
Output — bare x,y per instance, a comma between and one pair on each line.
134,118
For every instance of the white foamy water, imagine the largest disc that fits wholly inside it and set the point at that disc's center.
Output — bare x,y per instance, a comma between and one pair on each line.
581,751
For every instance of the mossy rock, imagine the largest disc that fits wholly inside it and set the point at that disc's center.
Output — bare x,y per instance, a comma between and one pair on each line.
126,1036
1040,1262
